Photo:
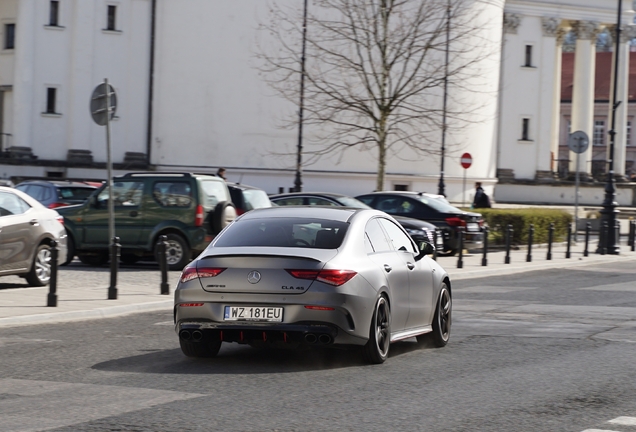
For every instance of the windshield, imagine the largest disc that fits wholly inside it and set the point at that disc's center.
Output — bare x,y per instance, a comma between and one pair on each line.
352,202
284,232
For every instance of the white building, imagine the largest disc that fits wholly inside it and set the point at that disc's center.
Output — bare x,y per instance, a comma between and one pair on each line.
202,104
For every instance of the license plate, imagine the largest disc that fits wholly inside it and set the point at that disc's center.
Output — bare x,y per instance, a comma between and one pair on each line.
253,313
472,226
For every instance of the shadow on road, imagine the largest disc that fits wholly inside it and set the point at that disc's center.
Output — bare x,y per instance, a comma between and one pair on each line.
238,360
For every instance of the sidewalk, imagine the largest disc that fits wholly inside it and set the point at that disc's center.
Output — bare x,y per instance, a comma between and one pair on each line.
82,291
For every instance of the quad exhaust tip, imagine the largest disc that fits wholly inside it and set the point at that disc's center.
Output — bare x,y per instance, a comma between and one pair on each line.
185,335
197,336
324,339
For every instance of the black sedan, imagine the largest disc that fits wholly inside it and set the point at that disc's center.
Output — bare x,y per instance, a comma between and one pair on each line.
419,230
421,206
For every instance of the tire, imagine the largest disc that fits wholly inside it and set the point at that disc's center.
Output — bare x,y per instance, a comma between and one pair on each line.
129,259
221,216
94,260
376,350
200,349
177,252
40,273
70,247
441,320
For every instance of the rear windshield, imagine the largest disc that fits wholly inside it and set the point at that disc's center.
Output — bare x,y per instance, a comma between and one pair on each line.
255,198
441,205
284,232
352,202
74,193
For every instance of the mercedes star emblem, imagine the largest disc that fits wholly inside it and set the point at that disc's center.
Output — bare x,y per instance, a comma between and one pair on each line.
253,277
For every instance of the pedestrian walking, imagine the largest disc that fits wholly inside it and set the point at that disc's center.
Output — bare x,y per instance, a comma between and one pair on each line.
221,173
481,199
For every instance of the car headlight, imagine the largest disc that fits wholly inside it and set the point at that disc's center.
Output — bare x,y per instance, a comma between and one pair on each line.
416,232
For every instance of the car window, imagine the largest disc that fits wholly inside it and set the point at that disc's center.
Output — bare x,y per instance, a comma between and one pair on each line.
255,198
400,241
34,191
214,192
441,206
288,201
352,202
396,205
74,193
284,232
377,237
125,193
320,202
172,194
11,204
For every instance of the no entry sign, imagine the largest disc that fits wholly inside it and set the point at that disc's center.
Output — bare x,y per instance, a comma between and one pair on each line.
466,160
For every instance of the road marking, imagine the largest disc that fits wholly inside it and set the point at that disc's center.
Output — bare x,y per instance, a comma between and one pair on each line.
599,430
624,421
165,323
62,404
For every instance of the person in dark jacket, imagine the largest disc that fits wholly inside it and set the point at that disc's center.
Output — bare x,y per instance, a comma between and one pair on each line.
481,200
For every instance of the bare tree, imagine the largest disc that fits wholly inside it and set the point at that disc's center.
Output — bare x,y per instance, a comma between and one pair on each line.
375,71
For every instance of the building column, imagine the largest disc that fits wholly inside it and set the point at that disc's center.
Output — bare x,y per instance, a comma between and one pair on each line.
549,96
555,128
583,90
23,85
620,139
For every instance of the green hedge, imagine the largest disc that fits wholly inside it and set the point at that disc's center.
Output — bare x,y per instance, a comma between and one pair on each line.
521,219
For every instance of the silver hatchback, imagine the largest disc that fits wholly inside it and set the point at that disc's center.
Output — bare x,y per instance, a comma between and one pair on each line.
296,276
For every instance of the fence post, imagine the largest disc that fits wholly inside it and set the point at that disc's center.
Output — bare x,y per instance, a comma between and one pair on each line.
588,228
603,239
630,236
550,237
508,240
162,246
633,235
460,259
115,248
51,299
530,238
484,259
567,250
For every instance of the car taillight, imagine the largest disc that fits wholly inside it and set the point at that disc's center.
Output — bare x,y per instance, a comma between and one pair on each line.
455,222
331,277
190,273
239,211
320,308
60,219
198,216
56,205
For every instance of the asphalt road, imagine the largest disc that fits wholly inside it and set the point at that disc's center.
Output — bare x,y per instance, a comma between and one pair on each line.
541,351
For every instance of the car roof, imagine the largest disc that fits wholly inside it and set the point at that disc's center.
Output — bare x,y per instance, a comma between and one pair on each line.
57,183
341,214
317,194
241,186
169,174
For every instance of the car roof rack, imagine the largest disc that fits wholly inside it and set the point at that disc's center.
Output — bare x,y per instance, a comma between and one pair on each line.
158,174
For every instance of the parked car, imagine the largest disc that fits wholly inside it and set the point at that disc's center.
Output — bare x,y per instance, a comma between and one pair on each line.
188,208
297,276
246,198
419,230
27,229
446,217
54,194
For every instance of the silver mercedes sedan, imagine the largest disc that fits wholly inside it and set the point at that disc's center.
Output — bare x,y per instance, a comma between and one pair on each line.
299,276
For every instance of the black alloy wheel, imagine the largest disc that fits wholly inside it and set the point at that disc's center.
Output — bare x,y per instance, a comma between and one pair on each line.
377,348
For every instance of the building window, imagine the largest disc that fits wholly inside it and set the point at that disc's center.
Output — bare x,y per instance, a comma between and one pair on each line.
9,36
525,129
528,62
628,134
51,94
599,132
54,13
112,15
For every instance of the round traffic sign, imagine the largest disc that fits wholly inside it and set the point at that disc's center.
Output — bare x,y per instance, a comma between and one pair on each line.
466,160
98,104
578,142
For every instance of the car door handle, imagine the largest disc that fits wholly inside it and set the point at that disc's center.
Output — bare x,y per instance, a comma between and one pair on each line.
387,268
410,265
133,213
34,222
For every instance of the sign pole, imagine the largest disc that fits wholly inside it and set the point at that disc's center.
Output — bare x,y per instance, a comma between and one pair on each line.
109,165
578,142
464,190
576,197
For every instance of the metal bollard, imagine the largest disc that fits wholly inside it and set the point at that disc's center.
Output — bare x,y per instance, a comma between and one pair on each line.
460,259
435,234
633,236
508,240
115,248
530,238
162,246
617,232
588,228
484,259
550,237
51,299
630,236
567,250
603,239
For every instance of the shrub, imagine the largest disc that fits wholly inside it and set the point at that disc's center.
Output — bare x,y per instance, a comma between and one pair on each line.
521,219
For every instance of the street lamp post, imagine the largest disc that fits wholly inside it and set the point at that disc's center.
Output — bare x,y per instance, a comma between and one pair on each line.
608,213
298,182
441,187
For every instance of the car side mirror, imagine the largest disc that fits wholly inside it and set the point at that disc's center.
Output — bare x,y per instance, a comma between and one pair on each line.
425,249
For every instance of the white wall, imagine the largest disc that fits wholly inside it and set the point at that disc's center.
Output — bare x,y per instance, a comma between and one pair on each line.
551,194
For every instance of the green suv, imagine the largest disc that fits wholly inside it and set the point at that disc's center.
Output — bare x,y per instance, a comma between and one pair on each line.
188,208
